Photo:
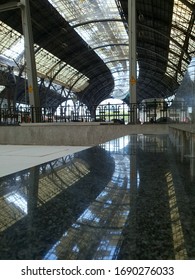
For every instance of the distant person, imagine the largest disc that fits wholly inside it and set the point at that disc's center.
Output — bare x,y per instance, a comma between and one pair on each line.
151,120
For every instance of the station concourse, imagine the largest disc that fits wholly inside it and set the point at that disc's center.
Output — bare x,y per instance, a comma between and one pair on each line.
82,179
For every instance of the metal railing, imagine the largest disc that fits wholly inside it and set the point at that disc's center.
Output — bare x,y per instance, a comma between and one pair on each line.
115,113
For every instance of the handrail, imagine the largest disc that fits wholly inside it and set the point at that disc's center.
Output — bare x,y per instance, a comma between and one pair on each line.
149,112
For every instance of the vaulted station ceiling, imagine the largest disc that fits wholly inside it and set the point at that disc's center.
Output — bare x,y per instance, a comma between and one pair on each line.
165,44
82,47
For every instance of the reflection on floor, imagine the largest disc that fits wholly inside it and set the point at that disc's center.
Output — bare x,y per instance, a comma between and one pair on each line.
130,198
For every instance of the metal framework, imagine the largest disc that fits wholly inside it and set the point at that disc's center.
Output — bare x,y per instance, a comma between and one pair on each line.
83,49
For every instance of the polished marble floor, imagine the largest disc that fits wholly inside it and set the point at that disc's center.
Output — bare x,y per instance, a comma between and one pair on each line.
130,198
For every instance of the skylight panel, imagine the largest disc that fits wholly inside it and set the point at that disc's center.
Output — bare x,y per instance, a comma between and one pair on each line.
51,67
11,42
93,20
180,22
2,88
12,47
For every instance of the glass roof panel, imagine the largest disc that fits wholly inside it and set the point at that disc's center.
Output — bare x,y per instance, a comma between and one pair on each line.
191,48
48,66
2,88
93,20
10,41
76,11
180,24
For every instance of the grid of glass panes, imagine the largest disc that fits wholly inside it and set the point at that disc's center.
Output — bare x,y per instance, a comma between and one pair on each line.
180,22
48,66
99,23
12,47
8,40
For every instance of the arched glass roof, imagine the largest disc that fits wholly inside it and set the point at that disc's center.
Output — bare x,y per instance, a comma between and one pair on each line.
99,23
82,45
48,66
183,35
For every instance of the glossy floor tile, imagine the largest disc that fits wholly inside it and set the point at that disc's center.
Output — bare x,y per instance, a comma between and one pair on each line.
130,198
14,158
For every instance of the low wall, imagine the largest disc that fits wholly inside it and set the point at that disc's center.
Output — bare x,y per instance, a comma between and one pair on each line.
73,134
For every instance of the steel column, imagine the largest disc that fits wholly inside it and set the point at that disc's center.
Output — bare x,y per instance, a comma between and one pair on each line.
30,58
132,57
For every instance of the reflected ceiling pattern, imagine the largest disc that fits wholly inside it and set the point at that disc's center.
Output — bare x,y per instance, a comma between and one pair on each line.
53,179
83,47
121,204
102,222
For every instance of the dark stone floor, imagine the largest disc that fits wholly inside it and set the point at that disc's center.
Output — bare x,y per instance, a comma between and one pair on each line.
130,198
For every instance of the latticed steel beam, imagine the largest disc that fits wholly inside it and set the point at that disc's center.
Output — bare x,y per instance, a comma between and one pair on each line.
96,21
166,37
110,45
29,49
163,58
189,5
10,6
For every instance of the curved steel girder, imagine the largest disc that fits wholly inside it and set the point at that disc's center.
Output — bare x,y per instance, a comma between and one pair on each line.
172,66
146,27
156,80
159,81
20,84
99,100
96,21
52,79
94,91
156,54
154,89
159,70
115,60
187,38
167,37
148,94
151,66
184,31
189,5
87,71
91,67
54,66
156,31
141,48
110,45
91,97
123,44
164,58
152,77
